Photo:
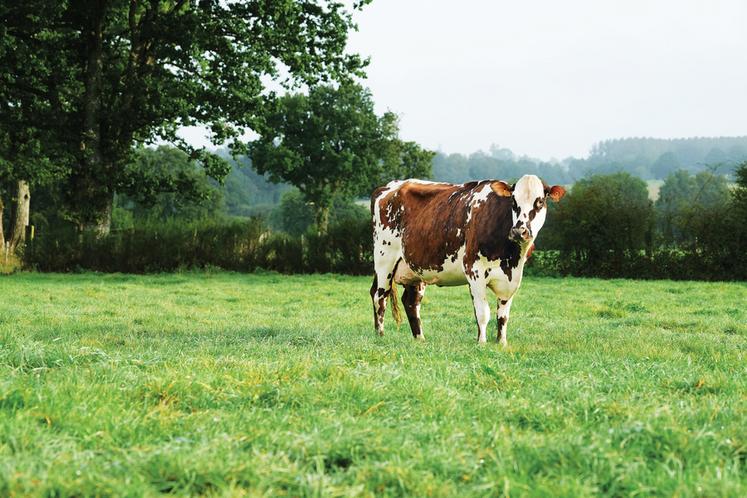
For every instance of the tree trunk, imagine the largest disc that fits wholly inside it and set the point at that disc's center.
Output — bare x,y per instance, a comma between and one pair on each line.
322,220
93,200
21,218
100,224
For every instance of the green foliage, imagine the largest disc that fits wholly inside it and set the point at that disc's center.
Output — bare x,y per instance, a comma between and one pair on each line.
138,71
34,81
700,236
170,185
330,143
737,221
665,165
222,384
604,218
150,247
296,217
293,215
687,203
241,245
247,193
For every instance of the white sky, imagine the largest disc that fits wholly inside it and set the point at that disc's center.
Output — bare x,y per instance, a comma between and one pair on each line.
548,78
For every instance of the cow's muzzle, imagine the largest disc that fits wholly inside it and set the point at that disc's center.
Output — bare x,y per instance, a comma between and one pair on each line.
520,234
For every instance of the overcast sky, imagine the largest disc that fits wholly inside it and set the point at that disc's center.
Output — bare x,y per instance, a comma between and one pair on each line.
548,78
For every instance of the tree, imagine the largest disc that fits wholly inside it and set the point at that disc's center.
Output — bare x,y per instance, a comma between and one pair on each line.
331,143
141,70
34,86
685,201
664,165
736,220
605,218
171,186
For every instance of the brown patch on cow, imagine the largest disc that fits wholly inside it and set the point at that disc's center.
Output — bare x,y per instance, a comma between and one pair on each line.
501,188
503,302
501,326
537,206
431,218
489,235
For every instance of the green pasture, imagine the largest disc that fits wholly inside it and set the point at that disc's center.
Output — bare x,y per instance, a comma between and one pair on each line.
225,384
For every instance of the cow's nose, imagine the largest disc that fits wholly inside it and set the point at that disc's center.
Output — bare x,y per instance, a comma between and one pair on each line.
520,233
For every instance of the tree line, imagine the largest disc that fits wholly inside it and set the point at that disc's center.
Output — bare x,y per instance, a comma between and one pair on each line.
608,226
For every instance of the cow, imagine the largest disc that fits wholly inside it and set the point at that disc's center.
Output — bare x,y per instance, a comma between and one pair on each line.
477,233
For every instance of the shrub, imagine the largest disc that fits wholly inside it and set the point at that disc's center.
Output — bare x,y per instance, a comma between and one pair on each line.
602,222
244,245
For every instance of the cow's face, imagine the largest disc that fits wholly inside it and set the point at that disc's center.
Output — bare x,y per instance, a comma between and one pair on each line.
529,197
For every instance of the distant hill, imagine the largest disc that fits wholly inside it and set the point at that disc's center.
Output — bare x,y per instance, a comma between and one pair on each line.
655,158
647,158
246,192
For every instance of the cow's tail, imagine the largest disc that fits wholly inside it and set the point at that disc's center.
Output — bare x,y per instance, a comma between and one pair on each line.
396,312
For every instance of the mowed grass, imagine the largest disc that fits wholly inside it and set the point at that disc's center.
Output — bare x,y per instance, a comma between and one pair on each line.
250,385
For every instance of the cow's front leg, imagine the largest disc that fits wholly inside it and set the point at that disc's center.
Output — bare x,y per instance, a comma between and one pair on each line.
504,307
482,308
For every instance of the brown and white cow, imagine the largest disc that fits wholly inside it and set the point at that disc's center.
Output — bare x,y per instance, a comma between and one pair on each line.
477,233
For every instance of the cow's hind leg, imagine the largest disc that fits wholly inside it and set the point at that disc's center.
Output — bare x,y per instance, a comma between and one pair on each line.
411,298
504,308
380,290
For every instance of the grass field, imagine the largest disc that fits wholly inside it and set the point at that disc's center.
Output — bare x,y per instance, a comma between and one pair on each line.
248,385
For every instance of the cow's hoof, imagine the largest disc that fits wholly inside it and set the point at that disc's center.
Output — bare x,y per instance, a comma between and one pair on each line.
420,338
503,343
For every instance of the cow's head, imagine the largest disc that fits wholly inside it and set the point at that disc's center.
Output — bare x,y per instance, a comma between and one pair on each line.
529,203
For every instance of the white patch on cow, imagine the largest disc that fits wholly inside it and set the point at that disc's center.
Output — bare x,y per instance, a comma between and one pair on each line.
478,198
481,307
503,312
424,182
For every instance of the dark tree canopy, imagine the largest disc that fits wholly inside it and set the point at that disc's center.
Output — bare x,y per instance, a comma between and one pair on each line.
139,71
35,86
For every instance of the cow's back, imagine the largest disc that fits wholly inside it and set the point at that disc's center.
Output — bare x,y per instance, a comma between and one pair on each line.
428,218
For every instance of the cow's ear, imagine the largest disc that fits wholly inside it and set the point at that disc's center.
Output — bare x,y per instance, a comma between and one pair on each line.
556,192
501,188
